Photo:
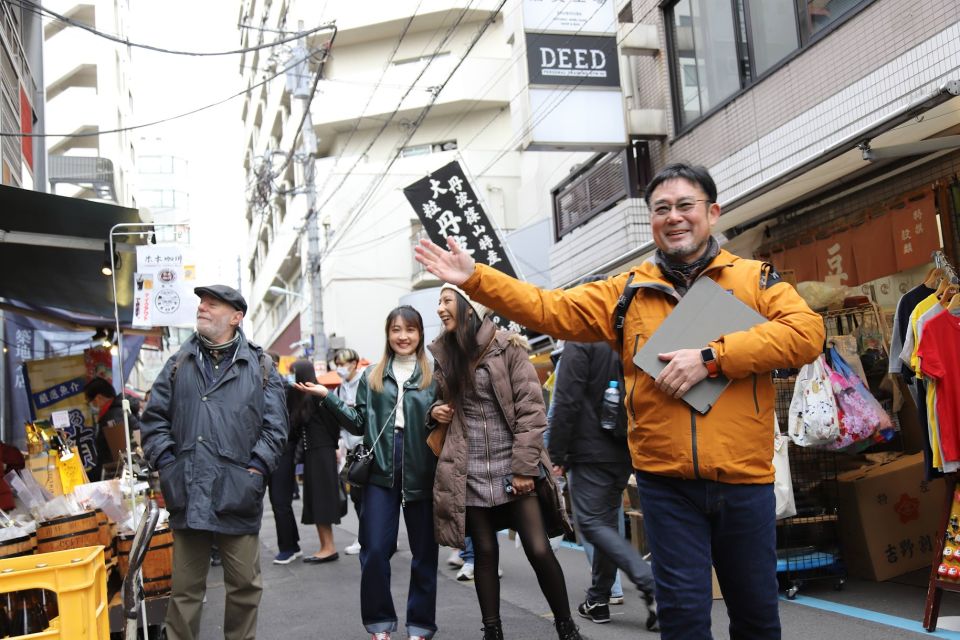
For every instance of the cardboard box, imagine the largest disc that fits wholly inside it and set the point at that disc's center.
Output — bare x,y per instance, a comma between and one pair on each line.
44,470
639,541
117,443
889,518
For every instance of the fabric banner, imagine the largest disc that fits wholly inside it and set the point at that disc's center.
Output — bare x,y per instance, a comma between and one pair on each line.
56,384
163,292
448,207
915,237
835,259
873,252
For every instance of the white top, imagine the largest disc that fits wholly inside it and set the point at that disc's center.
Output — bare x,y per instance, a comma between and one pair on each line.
403,367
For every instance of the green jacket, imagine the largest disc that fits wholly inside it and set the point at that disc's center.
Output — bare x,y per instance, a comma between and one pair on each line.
367,418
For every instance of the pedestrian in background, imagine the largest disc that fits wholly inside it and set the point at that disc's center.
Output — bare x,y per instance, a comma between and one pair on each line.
215,426
392,402
348,368
493,454
281,485
321,483
596,460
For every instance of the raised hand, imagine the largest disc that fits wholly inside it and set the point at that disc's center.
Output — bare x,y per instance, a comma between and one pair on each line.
453,266
312,389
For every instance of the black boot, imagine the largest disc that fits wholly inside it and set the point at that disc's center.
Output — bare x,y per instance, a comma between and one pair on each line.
566,630
493,631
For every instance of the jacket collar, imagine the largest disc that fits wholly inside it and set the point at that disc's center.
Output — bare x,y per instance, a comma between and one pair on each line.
648,274
414,380
487,333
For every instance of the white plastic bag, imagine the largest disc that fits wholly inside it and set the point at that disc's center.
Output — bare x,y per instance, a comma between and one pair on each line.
813,418
782,482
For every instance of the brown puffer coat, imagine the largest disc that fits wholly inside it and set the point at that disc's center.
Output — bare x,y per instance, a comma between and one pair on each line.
518,392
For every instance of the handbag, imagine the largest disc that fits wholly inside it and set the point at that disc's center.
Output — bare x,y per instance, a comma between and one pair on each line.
358,466
863,415
436,438
782,482
813,419
552,508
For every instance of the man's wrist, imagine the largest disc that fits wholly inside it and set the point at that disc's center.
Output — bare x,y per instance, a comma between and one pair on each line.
709,358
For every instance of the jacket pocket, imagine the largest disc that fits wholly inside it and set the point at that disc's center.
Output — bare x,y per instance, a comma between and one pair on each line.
173,486
238,492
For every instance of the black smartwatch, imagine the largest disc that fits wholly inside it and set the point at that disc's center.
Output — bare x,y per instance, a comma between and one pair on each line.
710,362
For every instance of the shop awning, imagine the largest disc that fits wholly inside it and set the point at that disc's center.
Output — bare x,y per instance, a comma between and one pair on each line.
52,249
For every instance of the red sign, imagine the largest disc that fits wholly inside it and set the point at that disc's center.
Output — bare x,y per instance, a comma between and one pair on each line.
915,236
802,259
26,126
835,258
873,252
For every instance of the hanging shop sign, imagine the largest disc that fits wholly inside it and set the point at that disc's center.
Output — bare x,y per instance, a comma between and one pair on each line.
835,261
163,288
581,16
447,206
590,61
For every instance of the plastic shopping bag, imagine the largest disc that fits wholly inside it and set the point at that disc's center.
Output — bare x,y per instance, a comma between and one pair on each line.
813,418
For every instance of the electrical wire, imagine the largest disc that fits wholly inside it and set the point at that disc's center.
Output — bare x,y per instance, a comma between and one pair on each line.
359,207
10,134
37,9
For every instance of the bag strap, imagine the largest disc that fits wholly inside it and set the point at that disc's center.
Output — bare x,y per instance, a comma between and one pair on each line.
620,314
400,394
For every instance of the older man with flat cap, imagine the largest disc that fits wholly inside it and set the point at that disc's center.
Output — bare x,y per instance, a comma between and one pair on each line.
215,425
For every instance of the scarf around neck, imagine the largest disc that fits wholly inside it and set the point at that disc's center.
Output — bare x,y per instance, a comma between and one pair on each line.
682,275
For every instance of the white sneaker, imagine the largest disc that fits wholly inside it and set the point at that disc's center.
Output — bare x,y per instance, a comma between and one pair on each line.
454,559
352,549
466,572
615,600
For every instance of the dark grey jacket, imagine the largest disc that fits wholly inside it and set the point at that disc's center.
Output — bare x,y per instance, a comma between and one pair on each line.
214,432
576,437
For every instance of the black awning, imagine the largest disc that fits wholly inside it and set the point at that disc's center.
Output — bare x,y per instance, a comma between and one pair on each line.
51,252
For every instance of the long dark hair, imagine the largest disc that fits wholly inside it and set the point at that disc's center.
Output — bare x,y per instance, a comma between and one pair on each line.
410,316
300,405
461,347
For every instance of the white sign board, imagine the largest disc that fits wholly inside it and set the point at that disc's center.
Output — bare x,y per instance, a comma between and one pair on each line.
163,288
568,119
570,16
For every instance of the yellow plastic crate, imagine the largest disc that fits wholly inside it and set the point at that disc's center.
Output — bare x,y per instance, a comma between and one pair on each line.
78,578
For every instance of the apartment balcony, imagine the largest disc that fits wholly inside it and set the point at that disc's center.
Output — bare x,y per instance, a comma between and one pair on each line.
73,109
599,214
68,52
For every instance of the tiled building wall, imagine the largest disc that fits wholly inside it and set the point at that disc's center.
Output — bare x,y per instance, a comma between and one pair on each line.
815,97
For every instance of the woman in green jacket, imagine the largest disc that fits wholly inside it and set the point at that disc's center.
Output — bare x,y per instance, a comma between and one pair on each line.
392,402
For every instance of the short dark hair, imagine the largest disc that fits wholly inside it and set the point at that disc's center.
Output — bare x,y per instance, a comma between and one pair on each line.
98,387
693,173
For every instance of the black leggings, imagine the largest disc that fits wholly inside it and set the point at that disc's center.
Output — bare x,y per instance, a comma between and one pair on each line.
524,517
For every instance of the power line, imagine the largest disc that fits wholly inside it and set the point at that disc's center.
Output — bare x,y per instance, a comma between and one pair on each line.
10,134
37,9
358,209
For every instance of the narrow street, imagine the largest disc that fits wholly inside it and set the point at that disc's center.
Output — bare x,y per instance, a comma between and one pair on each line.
321,602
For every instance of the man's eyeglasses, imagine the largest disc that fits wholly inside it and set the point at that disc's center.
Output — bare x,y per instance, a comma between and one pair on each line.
663,209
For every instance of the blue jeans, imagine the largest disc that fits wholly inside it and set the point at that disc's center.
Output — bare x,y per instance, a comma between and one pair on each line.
379,527
691,524
467,553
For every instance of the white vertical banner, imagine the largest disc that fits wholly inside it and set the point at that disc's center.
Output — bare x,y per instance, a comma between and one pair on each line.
163,287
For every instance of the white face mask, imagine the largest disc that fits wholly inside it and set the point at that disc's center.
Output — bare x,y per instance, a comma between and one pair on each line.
344,372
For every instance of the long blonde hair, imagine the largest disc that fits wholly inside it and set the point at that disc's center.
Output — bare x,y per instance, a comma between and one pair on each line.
410,316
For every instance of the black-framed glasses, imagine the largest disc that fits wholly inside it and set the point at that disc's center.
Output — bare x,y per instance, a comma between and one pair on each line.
683,206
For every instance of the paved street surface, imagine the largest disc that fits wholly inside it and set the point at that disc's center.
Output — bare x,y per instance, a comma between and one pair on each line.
321,602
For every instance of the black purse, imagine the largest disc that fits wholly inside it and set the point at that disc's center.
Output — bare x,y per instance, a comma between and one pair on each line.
358,465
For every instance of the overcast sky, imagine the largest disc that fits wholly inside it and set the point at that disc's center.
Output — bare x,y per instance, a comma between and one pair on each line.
211,141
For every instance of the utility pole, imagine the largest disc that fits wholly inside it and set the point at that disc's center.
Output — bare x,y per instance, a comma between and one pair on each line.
299,81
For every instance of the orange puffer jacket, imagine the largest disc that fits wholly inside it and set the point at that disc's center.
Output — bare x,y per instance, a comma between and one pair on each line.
733,442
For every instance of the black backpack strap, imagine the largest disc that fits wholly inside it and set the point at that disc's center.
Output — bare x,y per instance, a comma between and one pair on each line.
620,315
181,356
266,364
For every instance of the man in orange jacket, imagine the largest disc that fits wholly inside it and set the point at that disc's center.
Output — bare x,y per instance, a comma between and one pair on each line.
705,481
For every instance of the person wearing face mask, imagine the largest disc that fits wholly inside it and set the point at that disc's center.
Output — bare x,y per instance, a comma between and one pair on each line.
348,363
107,409
392,401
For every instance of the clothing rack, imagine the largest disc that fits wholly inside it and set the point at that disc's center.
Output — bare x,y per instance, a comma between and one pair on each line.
950,523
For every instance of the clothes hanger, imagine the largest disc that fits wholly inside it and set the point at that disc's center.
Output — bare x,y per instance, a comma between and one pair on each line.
949,295
942,288
954,305
932,276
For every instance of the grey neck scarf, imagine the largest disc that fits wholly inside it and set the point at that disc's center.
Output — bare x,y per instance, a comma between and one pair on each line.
682,275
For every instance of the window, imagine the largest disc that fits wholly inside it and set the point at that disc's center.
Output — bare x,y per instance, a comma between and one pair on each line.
717,48
424,149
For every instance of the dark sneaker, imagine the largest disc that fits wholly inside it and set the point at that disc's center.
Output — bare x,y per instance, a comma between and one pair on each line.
286,557
653,623
594,611
215,560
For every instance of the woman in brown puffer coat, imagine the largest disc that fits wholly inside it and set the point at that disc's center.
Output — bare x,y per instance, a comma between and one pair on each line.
493,453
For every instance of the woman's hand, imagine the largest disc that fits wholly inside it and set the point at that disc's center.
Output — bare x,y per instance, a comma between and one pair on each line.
522,485
442,413
311,388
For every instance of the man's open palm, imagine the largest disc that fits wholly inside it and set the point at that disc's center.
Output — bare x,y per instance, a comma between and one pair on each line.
453,266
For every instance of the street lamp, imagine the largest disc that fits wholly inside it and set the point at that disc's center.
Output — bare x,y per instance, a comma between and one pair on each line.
280,291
